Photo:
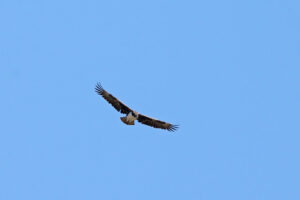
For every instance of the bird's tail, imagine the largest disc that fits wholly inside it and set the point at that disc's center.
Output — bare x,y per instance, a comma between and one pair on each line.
124,119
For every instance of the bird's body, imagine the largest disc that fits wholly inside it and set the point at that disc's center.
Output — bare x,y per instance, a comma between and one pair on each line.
130,118
132,115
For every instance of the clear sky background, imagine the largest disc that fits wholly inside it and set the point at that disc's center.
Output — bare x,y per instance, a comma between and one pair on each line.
228,72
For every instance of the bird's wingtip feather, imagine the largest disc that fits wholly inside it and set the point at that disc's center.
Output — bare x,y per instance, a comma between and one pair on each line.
173,128
99,89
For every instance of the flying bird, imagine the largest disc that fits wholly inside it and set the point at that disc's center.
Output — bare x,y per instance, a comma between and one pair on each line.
132,115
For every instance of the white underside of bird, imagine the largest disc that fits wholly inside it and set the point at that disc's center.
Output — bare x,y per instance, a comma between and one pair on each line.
130,118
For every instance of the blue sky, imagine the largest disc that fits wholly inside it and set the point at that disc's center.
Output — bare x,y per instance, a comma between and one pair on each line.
226,71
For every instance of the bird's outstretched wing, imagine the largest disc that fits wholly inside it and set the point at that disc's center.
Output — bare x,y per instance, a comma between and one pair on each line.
156,123
116,103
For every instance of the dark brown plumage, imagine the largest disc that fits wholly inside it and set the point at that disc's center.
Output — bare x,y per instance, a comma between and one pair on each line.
156,123
116,103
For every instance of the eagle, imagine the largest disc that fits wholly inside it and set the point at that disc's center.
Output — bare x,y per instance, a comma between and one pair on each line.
132,115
